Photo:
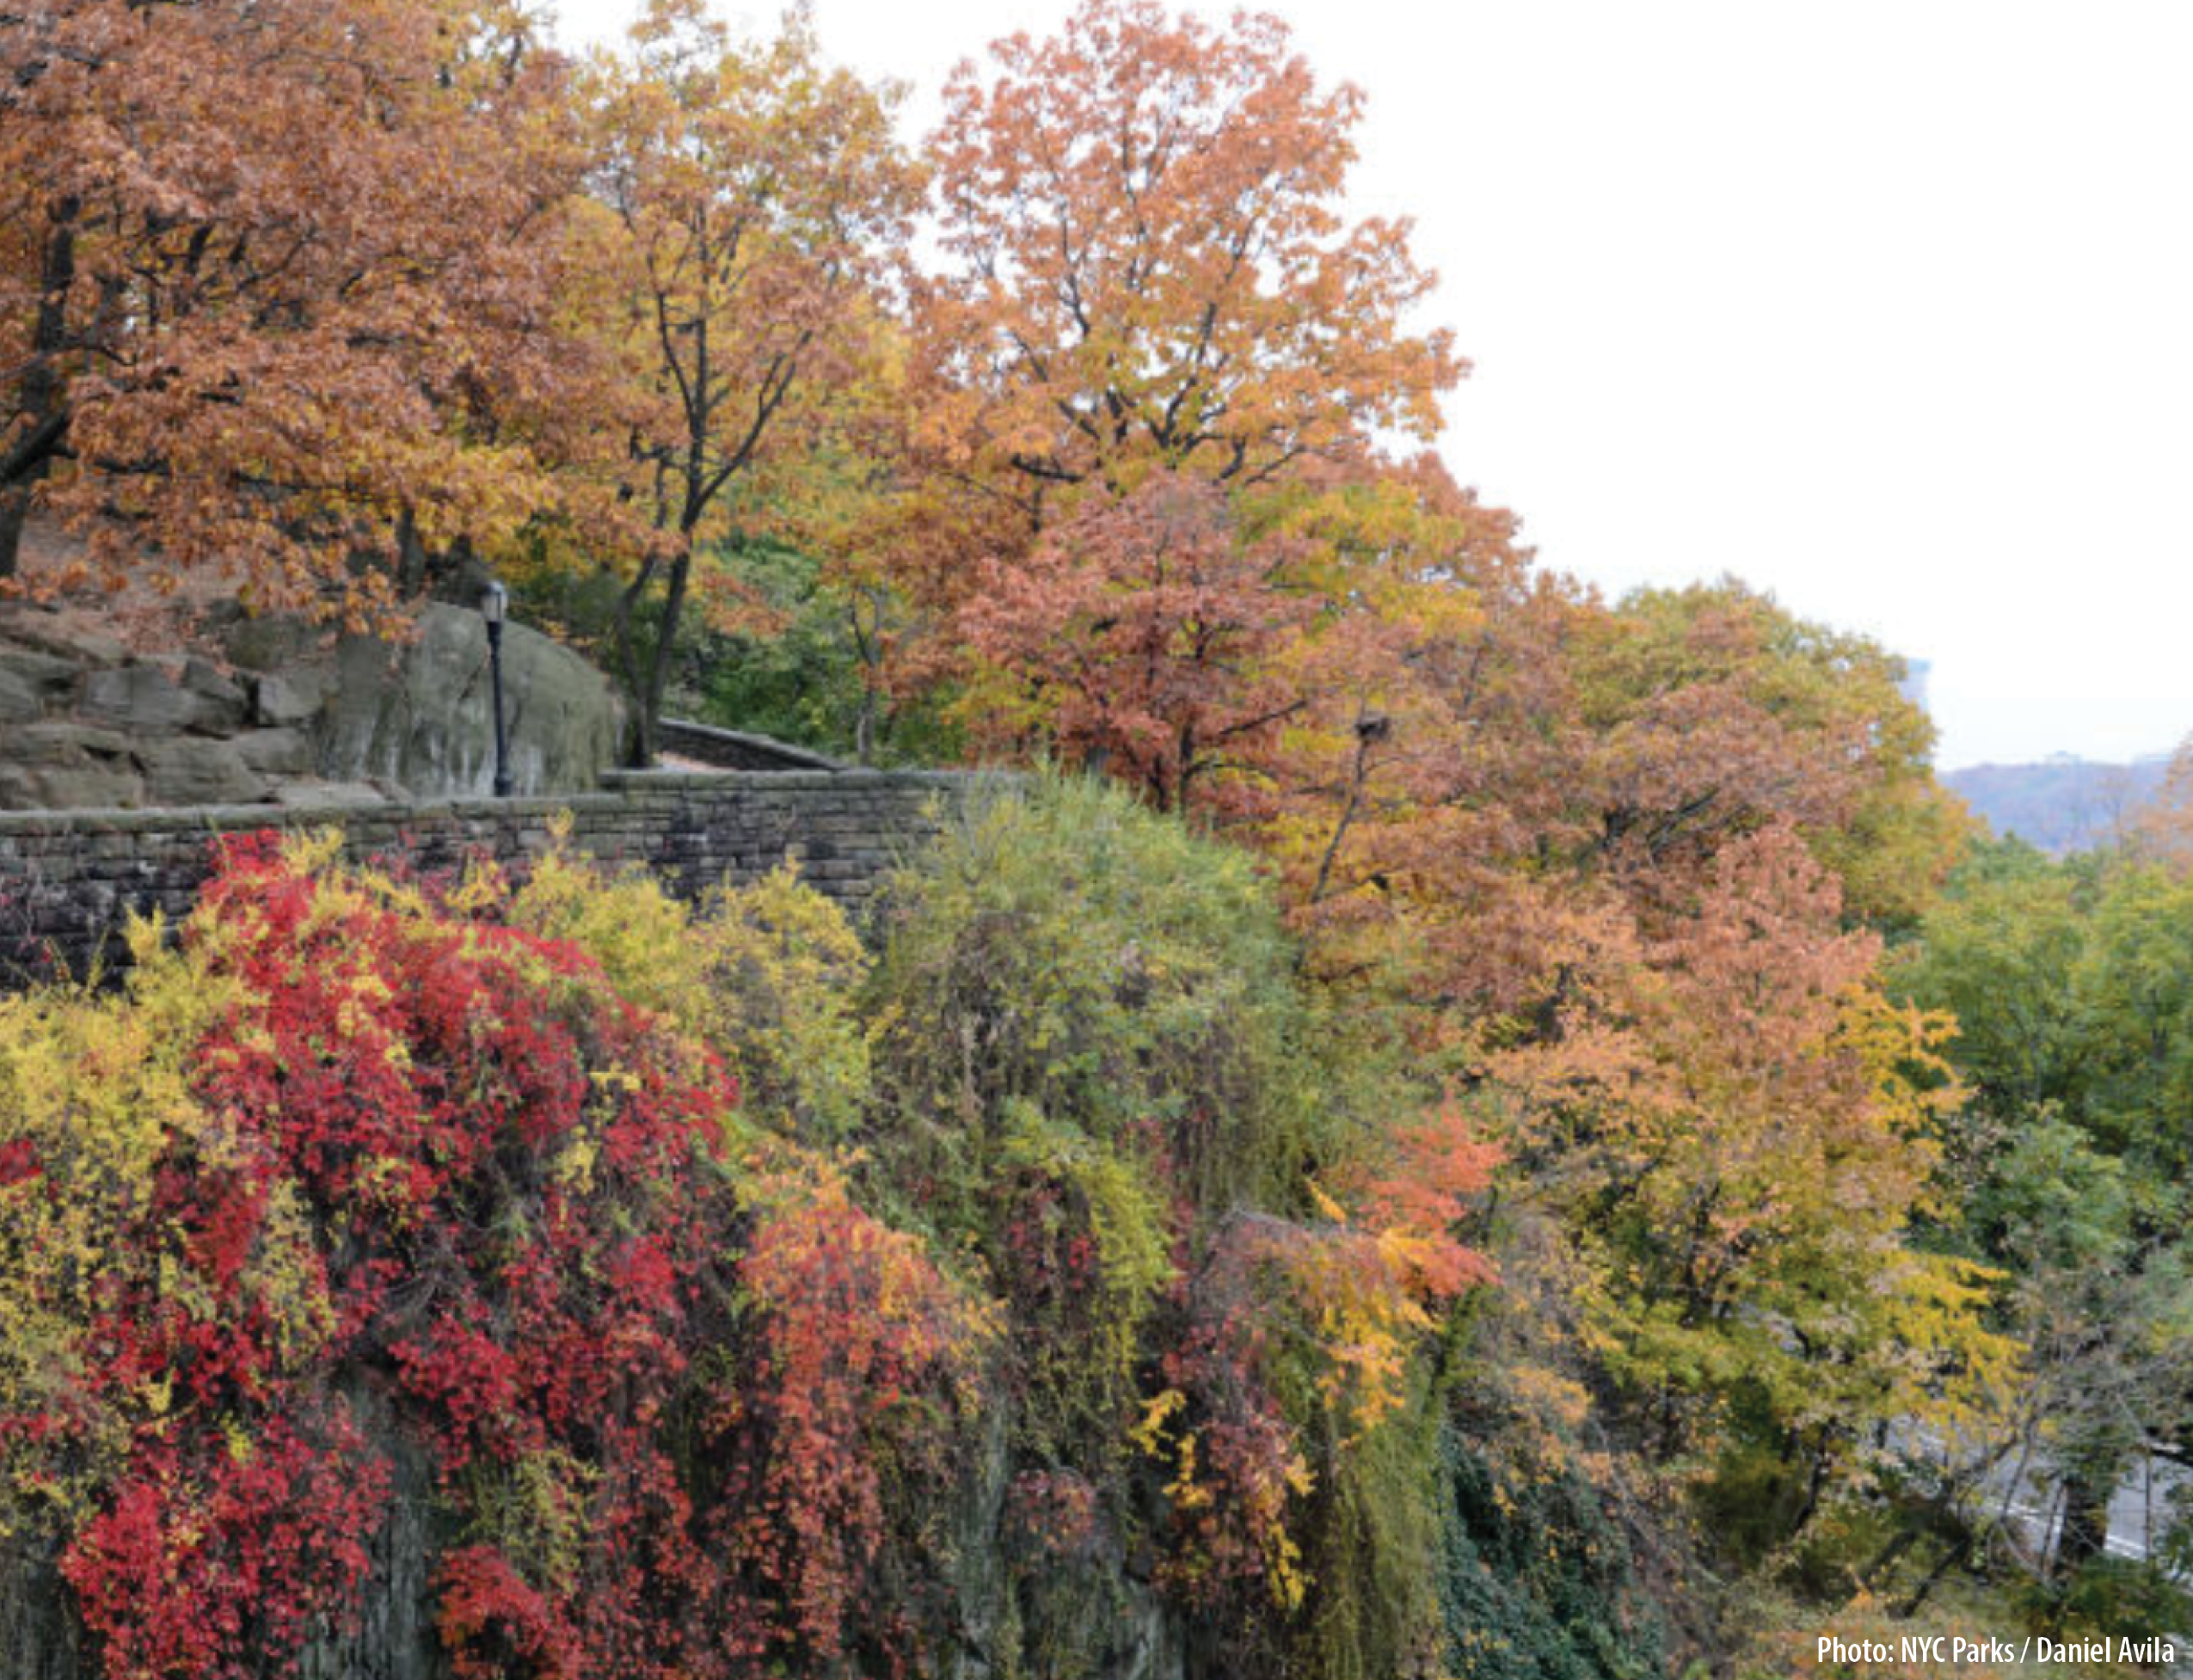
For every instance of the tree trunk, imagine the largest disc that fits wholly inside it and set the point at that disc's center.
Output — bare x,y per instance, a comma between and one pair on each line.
2085,1530
410,556
28,458
14,511
663,654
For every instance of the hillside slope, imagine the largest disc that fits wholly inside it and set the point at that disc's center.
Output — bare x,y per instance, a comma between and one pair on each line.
2062,803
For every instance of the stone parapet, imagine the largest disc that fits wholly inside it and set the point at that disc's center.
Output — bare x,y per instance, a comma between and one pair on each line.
70,880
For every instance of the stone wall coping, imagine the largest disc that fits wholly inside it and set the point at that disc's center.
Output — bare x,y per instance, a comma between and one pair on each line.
761,782
228,819
616,785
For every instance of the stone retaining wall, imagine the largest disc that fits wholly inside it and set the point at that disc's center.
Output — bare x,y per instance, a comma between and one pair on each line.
69,879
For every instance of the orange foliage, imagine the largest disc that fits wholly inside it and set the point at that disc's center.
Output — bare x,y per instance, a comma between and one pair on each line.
1152,264
1141,635
1149,270
280,279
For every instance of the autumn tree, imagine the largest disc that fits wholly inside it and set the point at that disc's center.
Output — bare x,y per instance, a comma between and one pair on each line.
1551,761
1149,267
1141,637
1746,1126
757,197
1715,709
278,284
1150,276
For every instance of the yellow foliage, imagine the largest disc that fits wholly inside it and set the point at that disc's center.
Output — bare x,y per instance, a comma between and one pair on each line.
93,1088
1149,1434
764,974
1284,1575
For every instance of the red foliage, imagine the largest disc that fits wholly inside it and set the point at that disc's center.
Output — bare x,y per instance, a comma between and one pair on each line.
443,1176
855,1326
209,1555
1143,632
19,1162
497,1627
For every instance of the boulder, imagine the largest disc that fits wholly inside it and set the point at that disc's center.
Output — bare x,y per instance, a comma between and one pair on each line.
146,700
67,766
69,787
278,752
292,696
47,672
189,771
421,715
49,632
270,644
21,700
222,703
64,742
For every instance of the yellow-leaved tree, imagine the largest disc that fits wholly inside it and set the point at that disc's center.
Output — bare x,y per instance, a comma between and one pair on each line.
755,200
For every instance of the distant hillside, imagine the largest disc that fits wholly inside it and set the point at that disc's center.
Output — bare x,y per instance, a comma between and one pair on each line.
2062,803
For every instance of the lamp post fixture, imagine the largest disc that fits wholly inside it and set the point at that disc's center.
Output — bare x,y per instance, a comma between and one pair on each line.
492,606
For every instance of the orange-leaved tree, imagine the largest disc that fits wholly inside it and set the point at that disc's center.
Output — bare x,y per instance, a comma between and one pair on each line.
1143,636
277,284
1149,267
1739,1130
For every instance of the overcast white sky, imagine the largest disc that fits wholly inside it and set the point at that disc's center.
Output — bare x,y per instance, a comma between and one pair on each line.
1884,305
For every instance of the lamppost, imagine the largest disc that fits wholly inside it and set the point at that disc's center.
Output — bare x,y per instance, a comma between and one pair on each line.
492,605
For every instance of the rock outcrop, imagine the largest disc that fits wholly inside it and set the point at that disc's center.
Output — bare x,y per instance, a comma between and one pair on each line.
273,711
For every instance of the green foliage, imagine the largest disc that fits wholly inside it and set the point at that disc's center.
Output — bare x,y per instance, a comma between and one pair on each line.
2073,983
804,667
2107,1597
2133,988
803,680
1997,952
1375,1545
1069,953
1537,1581
2049,1202
1101,1081
1086,1014
781,649
2072,986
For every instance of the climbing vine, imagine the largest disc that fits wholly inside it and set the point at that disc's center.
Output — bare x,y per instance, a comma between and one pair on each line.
368,1172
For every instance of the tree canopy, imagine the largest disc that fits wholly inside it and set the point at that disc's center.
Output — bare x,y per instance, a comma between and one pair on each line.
1442,1062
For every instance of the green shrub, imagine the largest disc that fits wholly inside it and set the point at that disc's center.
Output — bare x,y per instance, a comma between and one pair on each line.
1066,953
1539,1583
